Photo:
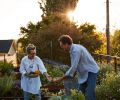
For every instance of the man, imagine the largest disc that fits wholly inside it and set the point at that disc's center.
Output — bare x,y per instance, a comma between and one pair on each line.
31,66
82,63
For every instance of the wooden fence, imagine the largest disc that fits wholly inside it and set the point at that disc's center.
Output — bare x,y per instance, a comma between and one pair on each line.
101,58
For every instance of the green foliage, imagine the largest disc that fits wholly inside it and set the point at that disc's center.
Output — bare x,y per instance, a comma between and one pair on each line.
6,68
115,43
26,33
53,72
61,6
109,89
6,83
55,98
6,87
90,36
75,95
104,70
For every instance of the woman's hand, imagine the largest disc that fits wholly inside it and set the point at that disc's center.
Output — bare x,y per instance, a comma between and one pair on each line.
37,72
49,78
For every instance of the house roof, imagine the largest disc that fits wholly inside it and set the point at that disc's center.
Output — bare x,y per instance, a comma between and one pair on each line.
5,45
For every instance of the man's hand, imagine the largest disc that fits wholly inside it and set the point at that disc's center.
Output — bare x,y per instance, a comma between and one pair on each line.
57,79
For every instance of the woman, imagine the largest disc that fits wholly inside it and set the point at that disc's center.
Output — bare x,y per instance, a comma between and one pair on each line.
31,66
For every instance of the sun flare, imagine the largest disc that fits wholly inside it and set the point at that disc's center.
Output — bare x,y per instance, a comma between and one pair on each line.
71,15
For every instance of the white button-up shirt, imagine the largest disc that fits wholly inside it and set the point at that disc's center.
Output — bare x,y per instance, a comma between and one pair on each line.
31,85
82,62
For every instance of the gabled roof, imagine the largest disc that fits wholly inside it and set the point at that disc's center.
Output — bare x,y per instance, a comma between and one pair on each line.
5,45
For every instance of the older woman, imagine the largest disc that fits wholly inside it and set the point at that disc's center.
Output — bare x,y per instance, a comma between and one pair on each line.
30,68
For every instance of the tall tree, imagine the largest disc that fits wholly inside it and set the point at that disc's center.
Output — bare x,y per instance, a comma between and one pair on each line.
56,10
90,38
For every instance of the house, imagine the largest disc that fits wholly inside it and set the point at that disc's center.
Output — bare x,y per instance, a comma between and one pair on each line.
8,51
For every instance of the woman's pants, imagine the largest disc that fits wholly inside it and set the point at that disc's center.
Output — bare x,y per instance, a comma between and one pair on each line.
27,96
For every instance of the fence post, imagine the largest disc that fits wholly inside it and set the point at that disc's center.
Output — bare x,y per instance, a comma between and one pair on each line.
100,58
4,58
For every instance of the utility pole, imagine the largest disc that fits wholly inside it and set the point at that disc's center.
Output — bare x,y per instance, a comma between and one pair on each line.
107,30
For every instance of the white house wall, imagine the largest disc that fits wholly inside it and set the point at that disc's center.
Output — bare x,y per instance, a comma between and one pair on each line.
9,59
12,50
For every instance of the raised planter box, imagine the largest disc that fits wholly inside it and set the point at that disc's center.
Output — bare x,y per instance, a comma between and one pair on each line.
11,98
19,98
54,86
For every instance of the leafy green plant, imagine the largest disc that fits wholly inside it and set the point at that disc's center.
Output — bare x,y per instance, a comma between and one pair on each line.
109,89
6,83
6,87
54,72
6,68
75,95
104,70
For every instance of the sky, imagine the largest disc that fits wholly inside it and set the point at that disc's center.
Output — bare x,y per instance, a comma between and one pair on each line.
94,12
17,13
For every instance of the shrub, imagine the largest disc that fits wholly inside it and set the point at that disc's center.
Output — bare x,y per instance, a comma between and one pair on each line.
6,87
75,95
109,89
5,84
6,68
104,70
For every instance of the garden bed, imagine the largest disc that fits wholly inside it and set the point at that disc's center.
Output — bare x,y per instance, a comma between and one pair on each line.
11,98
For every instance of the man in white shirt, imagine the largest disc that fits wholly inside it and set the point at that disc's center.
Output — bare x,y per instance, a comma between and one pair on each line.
31,66
83,63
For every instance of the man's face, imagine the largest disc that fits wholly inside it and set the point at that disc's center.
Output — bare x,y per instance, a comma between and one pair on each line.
64,46
32,54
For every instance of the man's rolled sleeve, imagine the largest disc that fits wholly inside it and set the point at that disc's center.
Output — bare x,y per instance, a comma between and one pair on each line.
75,57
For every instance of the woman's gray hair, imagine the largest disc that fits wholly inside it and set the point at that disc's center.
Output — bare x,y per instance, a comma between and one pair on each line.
30,47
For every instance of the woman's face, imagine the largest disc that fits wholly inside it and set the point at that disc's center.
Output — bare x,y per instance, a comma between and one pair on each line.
32,54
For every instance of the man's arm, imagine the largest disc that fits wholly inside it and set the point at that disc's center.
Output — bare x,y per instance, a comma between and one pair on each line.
75,58
59,79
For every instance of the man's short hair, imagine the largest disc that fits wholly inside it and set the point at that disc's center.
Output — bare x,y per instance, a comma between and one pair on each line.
65,39
29,48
